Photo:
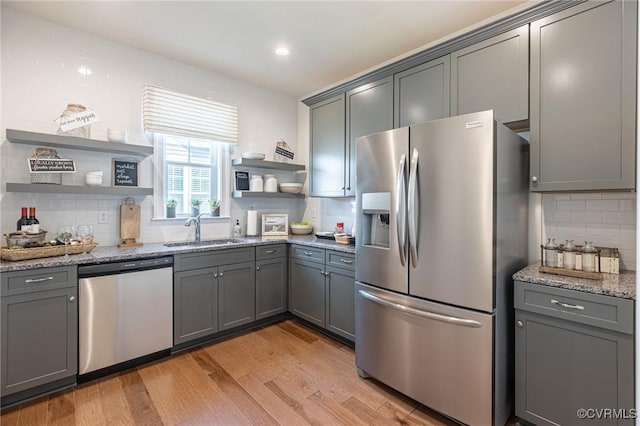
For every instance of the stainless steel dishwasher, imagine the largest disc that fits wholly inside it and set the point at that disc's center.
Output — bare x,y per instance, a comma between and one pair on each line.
126,312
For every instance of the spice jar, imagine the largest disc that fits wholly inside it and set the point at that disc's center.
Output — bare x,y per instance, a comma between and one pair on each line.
83,131
589,253
551,253
255,183
270,183
569,255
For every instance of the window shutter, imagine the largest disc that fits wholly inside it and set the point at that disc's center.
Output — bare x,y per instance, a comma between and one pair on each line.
173,113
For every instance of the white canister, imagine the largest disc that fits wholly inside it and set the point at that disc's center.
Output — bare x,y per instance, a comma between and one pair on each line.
270,183
255,183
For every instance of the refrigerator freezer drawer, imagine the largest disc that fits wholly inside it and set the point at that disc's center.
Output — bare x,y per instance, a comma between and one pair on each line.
438,355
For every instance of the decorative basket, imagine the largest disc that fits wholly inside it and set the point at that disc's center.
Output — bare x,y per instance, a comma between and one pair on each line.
51,178
16,254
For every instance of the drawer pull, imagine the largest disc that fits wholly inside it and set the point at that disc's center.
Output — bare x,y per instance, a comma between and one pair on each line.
307,253
270,251
566,305
348,262
37,280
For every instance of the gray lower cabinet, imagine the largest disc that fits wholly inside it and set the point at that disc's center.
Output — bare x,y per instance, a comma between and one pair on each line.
422,93
493,74
322,288
271,280
583,98
573,351
213,291
39,325
328,155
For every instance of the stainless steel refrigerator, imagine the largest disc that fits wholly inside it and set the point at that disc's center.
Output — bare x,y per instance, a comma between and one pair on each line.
442,226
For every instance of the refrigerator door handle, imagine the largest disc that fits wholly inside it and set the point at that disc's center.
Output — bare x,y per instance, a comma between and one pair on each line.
419,313
413,208
401,209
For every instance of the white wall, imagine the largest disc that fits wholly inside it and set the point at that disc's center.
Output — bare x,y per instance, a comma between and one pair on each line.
39,62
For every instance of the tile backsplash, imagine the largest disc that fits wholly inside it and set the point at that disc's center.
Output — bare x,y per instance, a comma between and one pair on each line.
607,219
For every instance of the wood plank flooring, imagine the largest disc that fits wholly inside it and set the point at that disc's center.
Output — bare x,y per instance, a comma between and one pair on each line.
281,374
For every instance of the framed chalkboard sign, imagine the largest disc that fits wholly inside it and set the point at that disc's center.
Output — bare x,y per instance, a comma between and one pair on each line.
242,181
125,172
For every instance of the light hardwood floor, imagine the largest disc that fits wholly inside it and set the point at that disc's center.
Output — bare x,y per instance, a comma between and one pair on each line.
284,373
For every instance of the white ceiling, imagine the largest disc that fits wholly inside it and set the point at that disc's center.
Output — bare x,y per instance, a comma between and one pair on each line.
330,41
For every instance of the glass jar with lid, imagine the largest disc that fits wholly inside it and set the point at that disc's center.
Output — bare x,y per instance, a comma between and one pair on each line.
551,253
589,256
255,183
270,183
569,252
82,131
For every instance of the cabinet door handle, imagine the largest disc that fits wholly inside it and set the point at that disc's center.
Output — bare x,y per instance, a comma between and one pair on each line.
37,280
348,262
322,272
257,268
566,305
221,274
519,324
72,299
270,251
307,253
215,275
534,178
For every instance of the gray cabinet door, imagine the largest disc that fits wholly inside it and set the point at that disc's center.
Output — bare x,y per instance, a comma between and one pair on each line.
341,302
307,291
583,91
327,151
422,93
195,304
369,110
563,366
493,74
271,287
236,294
39,338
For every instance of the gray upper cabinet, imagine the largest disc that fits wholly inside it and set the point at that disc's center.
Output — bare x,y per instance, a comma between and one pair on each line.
422,93
328,152
369,110
493,74
583,92
39,345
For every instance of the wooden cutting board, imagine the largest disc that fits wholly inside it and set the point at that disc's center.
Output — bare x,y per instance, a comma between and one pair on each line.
129,224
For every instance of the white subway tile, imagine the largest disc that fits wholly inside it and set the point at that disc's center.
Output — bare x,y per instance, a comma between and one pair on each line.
606,230
564,216
627,205
586,217
586,196
571,205
602,205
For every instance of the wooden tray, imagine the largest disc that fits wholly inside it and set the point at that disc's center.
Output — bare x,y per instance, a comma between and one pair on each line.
40,252
572,273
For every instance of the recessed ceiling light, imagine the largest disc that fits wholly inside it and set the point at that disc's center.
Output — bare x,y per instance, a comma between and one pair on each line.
85,70
282,51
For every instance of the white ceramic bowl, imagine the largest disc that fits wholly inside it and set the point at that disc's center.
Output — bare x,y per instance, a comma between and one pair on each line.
301,229
253,156
116,135
93,180
293,188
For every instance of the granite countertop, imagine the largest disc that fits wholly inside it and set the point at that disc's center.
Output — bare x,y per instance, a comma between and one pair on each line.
623,285
114,254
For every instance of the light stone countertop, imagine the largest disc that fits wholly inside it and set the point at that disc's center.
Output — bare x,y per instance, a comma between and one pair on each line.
114,254
623,285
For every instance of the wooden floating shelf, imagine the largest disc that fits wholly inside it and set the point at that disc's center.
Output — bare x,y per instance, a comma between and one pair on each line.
239,162
73,142
250,194
44,188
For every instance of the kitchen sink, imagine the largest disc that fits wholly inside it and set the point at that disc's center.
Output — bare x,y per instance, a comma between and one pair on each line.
216,242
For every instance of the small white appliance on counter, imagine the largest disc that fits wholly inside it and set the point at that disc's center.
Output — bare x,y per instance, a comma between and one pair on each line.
442,226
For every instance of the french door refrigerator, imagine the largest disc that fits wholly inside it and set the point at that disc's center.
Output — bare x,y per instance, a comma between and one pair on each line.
442,226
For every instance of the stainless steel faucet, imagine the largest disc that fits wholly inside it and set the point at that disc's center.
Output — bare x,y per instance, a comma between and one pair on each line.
195,220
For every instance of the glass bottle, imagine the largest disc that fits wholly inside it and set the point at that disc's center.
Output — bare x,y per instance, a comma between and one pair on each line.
551,253
34,223
23,222
589,257
569,255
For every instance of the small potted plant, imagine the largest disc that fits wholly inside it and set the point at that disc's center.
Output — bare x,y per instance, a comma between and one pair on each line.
195,206
215,207
171,208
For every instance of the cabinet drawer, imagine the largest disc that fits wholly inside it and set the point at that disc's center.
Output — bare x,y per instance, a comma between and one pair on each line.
611,313
38,280
341,260
271,251
309,253
183,262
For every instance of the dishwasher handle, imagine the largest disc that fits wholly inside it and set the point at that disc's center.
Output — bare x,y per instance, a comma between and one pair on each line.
125,266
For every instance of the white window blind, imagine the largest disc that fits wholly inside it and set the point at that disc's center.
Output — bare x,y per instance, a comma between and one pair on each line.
169,112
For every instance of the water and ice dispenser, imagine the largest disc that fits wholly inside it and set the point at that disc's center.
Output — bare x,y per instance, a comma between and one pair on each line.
375,217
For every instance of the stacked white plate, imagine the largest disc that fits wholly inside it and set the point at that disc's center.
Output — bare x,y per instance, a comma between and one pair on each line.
253,156
294,188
